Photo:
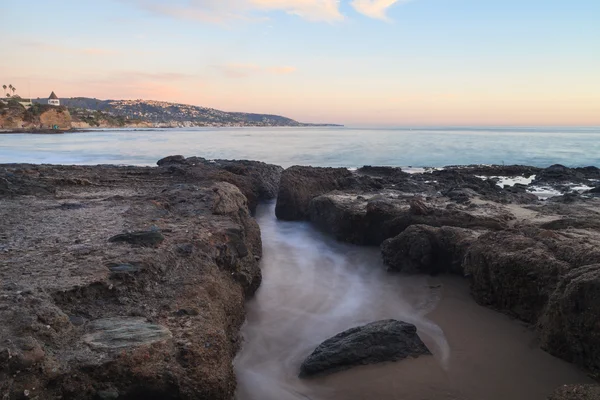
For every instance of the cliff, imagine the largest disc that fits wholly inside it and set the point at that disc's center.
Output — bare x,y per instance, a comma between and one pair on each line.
14,116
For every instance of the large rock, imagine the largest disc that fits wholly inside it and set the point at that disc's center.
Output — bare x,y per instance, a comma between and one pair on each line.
426,249
299,185
256,180
513,273
570,328
387,340
369,219
96,319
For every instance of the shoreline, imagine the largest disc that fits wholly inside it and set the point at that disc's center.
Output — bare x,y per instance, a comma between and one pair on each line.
60,254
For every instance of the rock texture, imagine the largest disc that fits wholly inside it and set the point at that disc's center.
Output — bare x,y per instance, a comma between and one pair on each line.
299,185
576,392
427,249
153,313
387,340
535,260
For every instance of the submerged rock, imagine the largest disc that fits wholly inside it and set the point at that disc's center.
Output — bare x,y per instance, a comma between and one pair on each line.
387,340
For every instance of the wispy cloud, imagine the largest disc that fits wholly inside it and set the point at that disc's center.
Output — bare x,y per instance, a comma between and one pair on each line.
91,51
245,70
224,11
314,10
375,8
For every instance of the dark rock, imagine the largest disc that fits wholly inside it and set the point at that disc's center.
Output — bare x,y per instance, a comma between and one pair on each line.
557,173
393,172
177,159
569,327
185,249
370,221
299,185
513,273
71,206
426,249
387,340
77,320
107,395
140,238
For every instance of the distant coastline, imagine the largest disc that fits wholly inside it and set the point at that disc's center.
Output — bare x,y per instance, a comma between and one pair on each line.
83,113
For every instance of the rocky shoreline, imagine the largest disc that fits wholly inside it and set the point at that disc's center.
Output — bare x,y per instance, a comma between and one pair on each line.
130,282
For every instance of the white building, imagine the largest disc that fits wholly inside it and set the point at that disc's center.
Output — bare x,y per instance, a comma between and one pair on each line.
53,100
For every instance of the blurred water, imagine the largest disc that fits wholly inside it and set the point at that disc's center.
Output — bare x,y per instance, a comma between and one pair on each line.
314,287
348,147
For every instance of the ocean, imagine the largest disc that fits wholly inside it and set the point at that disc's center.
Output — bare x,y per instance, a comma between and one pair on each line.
331,146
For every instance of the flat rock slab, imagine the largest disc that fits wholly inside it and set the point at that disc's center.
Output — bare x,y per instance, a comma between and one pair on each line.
121,332
386,340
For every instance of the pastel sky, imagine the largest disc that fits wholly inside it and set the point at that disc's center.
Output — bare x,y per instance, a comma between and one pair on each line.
356,62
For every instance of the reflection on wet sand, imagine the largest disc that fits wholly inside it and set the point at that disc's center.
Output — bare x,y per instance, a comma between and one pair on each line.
314,288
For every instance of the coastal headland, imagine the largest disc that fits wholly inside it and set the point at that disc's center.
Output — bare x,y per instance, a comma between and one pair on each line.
124,282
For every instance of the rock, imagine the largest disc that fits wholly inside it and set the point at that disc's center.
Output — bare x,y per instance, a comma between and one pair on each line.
570,326
107,394
387,340
299,185
123,268
123,332
557,173
177,159
140,238
513,273
426,249
371,219
394,172
576,392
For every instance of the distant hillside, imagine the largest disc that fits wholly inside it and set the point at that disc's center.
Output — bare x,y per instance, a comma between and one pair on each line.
163,114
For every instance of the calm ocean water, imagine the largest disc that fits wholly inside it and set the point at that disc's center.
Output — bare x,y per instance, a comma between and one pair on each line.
347,147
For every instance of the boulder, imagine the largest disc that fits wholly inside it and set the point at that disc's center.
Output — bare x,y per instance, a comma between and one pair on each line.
299,185
513,273
387,340
426,249
570,327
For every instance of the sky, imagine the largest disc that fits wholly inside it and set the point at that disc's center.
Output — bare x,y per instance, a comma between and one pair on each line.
354,62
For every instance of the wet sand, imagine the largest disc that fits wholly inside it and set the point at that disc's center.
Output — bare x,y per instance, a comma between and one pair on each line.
314,287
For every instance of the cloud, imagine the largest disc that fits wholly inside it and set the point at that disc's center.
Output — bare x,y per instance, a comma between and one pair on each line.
314,10
244,70
375,8
224,11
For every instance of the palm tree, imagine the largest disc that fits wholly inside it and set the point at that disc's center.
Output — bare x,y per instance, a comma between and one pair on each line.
14,89
4,87
10,87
